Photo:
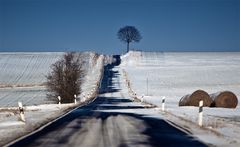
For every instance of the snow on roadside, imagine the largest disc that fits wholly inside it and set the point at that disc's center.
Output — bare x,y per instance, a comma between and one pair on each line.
174,75
11,127
40,114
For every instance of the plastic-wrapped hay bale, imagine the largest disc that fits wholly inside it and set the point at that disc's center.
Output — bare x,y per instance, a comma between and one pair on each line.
194,99
225,99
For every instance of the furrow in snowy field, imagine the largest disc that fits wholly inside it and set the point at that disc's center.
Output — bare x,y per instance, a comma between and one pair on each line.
23,74
41,113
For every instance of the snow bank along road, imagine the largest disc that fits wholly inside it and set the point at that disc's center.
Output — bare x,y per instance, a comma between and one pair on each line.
111,120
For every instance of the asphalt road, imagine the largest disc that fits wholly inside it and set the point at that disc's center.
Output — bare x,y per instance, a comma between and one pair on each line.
112,120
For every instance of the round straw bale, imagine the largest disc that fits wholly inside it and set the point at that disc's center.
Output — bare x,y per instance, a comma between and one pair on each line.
194,99
224,99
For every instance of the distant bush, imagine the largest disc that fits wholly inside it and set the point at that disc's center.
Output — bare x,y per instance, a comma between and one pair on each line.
64,80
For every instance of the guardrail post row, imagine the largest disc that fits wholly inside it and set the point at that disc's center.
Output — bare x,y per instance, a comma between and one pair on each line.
200,114
20,106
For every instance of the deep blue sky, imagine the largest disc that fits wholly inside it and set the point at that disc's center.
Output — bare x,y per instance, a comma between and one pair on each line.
166,25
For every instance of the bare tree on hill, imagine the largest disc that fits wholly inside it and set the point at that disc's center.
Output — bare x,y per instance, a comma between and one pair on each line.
129,34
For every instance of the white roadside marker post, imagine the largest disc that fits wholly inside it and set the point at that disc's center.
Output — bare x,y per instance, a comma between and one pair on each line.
75,99
88,96
59,100
83,99
92,92
134,93
200,114
163,103
22,117
142,99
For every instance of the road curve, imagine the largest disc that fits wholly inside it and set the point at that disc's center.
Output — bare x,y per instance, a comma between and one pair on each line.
112,120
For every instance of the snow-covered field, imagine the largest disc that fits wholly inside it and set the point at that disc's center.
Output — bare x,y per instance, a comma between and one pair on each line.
23,75
174,75
22,78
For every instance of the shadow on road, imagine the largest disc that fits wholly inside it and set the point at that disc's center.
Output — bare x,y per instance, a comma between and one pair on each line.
107,81
158,131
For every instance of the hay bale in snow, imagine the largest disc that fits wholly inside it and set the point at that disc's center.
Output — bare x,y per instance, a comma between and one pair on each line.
225,99
194,99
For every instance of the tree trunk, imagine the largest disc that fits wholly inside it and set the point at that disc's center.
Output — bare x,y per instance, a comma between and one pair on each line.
127,47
